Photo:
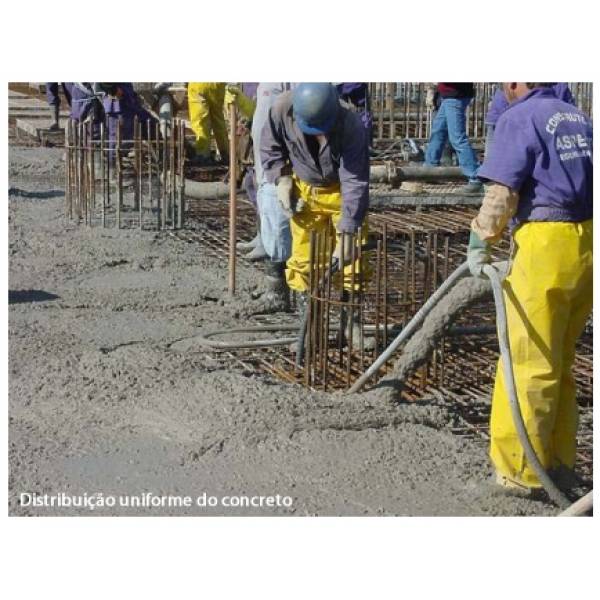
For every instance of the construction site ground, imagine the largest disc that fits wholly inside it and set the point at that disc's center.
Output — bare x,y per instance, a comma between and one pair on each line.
107,396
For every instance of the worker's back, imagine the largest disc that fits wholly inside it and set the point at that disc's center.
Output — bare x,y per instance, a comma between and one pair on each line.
543,149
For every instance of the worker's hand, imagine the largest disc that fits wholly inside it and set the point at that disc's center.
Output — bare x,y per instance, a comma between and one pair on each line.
231,94
344,246
478,255
430,98
285,195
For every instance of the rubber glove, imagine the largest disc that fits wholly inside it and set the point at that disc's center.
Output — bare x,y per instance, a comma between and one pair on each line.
478,255
285,189
345,242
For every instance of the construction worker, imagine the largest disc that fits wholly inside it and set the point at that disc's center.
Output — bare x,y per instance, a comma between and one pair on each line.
53,98
540,170
315,151
273,238
205,104
499,104
450,125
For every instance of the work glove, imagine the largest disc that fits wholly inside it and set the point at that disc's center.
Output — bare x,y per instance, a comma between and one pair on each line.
245,105
344,242
430,98
478,255
285,195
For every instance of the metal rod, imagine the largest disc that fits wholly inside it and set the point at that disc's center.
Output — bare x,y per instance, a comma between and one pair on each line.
232,195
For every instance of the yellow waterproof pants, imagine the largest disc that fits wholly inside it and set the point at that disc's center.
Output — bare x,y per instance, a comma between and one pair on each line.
205,104
322,210
548,295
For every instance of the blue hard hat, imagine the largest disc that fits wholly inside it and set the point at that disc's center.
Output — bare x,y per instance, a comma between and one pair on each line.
316,107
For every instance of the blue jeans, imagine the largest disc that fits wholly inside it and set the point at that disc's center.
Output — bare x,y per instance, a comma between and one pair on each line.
449,124
274,224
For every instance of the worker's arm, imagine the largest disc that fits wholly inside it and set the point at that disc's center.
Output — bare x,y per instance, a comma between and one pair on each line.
498,207
354,174
274,156
245,105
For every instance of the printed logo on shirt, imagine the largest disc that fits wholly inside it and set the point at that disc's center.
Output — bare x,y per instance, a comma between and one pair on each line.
559,117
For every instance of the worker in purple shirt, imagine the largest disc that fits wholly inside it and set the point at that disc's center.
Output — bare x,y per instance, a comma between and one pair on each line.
450,125
357,96
120,101
541,174
499,104
53,97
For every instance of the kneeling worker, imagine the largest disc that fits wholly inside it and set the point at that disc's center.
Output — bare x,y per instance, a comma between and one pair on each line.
540,168
315,150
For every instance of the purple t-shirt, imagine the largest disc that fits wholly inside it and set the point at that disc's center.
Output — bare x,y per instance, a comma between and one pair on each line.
499,102
543,148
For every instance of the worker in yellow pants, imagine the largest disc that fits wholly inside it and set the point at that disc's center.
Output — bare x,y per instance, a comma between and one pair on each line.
541,172
205,103
322,210
547,304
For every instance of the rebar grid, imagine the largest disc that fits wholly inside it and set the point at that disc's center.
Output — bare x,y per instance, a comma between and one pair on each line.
134,182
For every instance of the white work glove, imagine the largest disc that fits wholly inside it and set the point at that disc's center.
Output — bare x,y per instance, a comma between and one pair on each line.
344,242
430,98
285,194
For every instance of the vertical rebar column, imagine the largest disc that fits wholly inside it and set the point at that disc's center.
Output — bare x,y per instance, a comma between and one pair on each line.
160,196
361,340
314,330
232,195
380,107
377,296
181,163
119,170
165,175
105,183
385,285
149,166
309,309
349,327
68,197
92,173
172,174
137,152
330,249
81,169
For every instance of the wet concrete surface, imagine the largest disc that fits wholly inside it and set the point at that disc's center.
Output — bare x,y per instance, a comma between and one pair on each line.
101,400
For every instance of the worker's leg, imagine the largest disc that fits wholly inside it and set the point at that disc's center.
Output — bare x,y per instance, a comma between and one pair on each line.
565,428
438,137
301,225
199,117
216,98
456,109
537,295
274,224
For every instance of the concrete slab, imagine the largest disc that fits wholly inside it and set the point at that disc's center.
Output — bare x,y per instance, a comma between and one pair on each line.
12,94
28,103
34,114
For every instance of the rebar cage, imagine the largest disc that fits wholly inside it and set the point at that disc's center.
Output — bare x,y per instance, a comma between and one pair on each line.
131,180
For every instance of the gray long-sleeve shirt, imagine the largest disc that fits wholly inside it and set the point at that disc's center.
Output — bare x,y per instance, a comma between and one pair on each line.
344,158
